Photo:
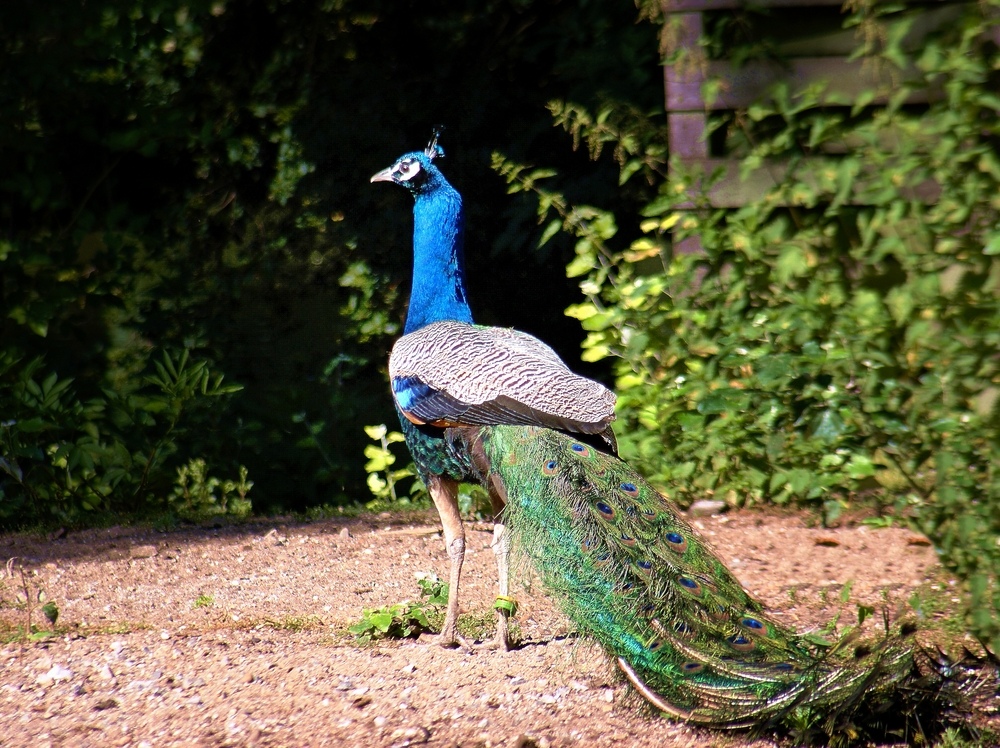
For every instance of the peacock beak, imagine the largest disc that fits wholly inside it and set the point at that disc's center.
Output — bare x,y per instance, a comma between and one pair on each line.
384,176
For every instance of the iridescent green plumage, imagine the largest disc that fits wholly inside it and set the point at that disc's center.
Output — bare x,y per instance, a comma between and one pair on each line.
631,573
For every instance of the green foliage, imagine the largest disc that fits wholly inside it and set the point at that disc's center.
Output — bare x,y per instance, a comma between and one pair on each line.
63,458
204,601
28,597
836,337
198,495
482,625
382,479
954,737
51,612
474,502
934,605
403,620
292,623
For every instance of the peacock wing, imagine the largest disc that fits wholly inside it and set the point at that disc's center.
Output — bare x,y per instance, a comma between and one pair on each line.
457,374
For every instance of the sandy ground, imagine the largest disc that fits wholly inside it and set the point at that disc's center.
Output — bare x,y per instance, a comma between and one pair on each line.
236,636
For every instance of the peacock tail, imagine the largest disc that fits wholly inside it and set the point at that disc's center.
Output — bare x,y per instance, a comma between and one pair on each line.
631,573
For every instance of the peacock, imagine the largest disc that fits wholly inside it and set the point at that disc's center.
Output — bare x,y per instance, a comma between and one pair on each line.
500,408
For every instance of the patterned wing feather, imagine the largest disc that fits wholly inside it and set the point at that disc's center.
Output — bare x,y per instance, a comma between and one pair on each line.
452,373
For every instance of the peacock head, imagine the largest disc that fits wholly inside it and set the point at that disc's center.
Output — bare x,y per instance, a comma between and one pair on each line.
415,171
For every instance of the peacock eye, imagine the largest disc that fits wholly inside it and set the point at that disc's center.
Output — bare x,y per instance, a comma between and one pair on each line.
408,169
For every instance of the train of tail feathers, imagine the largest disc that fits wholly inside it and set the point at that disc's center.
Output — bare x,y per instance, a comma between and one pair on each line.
498,407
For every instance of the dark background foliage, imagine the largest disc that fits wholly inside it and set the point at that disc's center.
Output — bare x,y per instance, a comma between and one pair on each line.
193,176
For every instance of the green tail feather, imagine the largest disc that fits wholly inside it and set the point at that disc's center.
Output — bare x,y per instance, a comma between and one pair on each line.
631,573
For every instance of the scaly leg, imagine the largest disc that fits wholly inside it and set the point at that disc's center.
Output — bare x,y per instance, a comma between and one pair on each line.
444,491
501,548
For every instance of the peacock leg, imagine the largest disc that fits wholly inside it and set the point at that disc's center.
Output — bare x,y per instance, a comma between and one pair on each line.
501,548
444,491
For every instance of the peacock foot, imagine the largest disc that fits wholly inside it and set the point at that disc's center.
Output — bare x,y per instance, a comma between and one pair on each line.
501,640
499,643
505,607
452,640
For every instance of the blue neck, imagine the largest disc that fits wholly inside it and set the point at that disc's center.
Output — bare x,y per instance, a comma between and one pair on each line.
438,291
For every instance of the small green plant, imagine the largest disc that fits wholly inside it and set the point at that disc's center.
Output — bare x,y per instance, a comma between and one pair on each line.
293,623
802,724
197,494
382,479
955,737
403,620
474,502
879,523
30,597
481,625
204,601
938,605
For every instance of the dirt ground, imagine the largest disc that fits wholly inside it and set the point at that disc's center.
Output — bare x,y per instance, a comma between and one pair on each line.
236,636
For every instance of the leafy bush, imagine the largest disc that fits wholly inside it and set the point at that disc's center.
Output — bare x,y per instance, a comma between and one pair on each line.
835,338
198,495
63,458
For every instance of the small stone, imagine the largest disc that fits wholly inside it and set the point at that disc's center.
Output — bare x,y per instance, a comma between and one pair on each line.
359,697
408,668
346,684
380,721
143,551
345,534
103,704
827,541
919,540
410,736
55,673
706,508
